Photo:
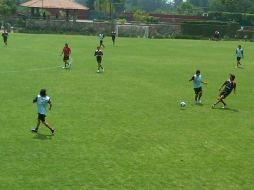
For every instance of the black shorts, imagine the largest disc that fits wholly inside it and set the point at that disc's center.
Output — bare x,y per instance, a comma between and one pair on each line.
41,117
238,58
66,58
224,94
198,90
99,59
5,39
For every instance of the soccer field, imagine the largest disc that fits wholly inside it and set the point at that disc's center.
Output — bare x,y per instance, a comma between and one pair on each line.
124,129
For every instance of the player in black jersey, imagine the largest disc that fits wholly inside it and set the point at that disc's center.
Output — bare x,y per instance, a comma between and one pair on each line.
5,37
98,53
113,36
228,85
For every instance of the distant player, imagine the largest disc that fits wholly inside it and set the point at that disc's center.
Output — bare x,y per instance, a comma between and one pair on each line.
113,36
98,53
5,37
66,52
101,38
216,35
42,101
239,55
228,85
197,85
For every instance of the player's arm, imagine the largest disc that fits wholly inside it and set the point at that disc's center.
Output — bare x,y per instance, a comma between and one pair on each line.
203,82
222,85
192,78
35,99
50,104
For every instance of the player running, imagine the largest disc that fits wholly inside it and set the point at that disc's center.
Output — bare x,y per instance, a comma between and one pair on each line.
197,85
239,55
42,101
98,53
66,52
113,36
228,85
5,37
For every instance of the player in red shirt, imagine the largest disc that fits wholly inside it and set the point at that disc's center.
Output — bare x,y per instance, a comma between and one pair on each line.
66,52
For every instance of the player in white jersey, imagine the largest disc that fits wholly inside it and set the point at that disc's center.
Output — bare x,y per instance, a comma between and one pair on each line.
239,55
42,101
101,37
197,86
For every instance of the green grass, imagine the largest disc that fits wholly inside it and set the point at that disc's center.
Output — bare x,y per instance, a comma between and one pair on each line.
123,129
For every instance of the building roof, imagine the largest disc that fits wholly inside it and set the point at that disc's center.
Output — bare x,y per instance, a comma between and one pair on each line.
54,4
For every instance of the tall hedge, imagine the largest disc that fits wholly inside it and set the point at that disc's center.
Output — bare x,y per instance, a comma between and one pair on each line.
207,28
244,19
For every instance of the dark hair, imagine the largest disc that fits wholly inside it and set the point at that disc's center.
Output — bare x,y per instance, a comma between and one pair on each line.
198,71
43,92
232,77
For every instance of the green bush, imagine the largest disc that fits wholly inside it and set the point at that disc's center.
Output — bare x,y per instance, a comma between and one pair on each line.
207,28
244,19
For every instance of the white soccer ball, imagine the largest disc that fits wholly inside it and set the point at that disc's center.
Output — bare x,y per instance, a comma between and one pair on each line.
182,104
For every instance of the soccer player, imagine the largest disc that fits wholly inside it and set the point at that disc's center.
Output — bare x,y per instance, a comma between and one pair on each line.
42,101
113,36
101,37
239,55
197,85
98,53
228,85
5,37
66,52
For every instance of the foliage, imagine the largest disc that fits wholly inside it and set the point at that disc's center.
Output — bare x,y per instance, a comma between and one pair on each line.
207,28
243,18
140,16
7,7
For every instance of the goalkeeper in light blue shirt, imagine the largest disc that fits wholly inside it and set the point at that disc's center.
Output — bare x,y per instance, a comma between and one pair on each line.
42,101
197,86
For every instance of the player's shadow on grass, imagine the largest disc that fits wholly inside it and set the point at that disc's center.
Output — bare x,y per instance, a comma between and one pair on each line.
227,109
41,136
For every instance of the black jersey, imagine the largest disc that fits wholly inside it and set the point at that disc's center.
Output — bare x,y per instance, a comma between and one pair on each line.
98,53
5,35
229,86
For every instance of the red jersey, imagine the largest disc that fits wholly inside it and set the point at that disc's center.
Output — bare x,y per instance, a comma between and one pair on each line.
66,51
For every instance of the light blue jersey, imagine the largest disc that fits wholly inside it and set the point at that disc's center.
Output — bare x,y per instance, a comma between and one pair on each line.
42,104
197,82
239,52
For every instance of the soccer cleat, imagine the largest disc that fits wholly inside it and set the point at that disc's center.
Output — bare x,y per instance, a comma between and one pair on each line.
34,130
199,101
52,131
224,106
98,71
213,106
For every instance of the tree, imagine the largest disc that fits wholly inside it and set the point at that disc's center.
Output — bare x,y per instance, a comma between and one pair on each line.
7,7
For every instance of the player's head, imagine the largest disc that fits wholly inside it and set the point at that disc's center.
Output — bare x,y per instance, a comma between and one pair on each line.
198,72
239,46
232,77
98,47
66,45
43,92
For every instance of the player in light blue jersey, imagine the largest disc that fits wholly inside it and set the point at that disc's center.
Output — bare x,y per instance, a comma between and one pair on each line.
239,55
197,86
42,101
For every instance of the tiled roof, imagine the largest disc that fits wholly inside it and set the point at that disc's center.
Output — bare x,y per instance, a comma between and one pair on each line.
54,4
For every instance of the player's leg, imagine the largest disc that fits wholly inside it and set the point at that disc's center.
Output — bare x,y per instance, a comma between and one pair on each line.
37,125
47,125
196,94
199,96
